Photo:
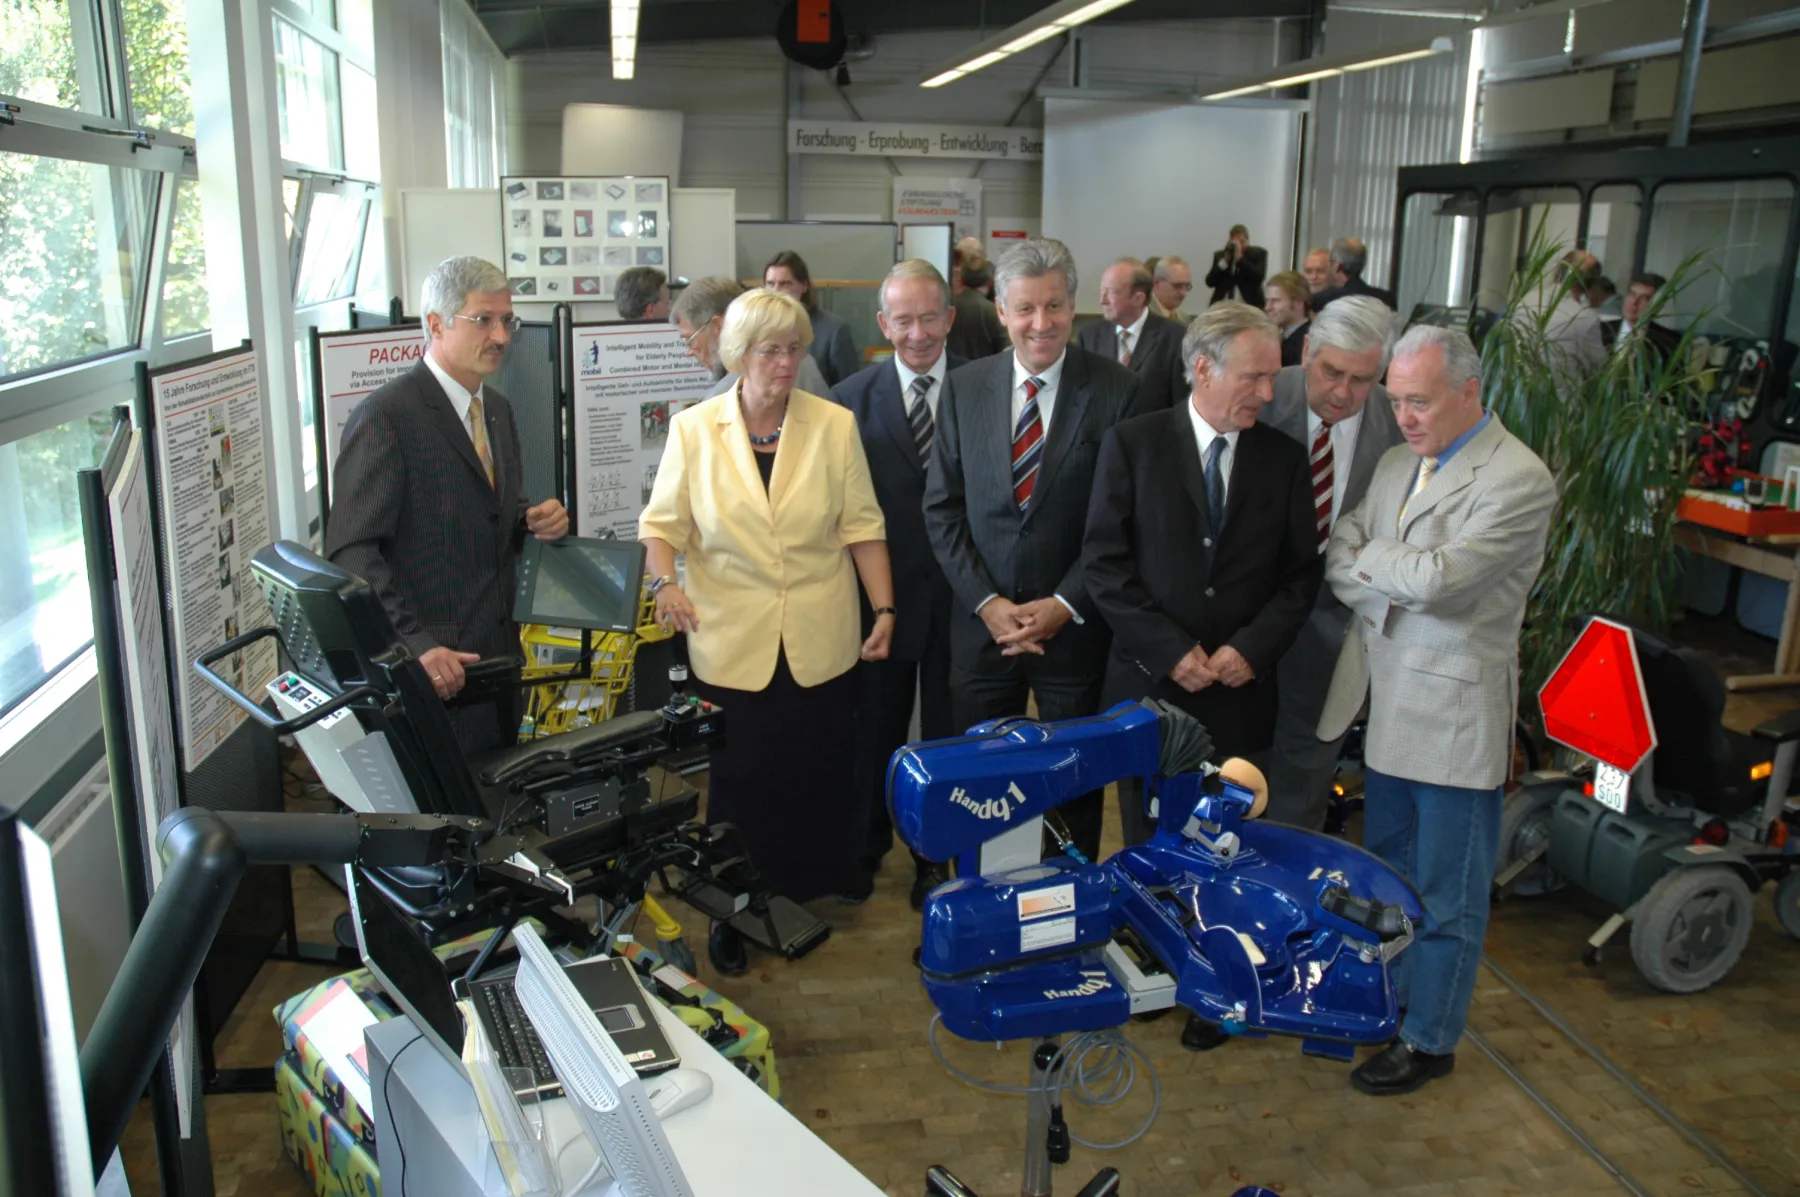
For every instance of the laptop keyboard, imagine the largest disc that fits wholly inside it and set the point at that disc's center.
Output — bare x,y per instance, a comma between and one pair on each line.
515,1042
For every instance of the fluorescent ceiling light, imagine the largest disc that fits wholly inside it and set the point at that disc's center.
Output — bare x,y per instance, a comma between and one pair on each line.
624,38
1329,66
1053,21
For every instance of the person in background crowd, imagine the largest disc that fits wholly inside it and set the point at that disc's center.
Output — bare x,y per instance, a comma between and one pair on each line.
977,332
1334,408
698,315
1604,297
642,293
895,403
1200,554
1287,301
1171,280
1316,266
1437,563
1572,328
430,497
970,247
1005,501
1348,258
1238,270
1131,334
766,490
833,348
1638,294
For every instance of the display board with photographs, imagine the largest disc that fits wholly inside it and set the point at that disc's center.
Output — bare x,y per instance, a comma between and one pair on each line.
567,240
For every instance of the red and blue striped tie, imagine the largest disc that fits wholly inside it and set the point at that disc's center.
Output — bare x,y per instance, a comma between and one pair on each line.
1027,446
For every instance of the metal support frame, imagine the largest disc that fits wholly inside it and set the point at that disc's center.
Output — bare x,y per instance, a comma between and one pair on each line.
1693,42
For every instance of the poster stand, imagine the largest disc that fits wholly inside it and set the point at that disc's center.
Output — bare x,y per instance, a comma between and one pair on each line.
367,318
348,366
184,1162
226,761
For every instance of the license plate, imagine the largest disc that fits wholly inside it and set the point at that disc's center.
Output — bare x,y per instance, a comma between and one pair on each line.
1611,786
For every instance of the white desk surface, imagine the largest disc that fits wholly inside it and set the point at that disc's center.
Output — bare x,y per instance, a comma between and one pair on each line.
740,1142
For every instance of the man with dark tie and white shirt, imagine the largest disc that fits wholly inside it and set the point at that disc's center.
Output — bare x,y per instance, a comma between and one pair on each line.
1137,338
1334,407
895,403
1005,502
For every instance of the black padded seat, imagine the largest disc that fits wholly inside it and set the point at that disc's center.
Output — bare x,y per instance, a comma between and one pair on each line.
504,764
1696,754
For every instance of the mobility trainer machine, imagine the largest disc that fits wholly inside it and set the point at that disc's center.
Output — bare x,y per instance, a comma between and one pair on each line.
1672,819
1258,927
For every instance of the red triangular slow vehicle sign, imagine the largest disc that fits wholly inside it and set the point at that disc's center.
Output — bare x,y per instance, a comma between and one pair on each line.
1595,703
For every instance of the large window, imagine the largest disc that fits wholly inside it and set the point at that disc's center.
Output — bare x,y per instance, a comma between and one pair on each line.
37,53
44,615
71,259
186,306
308,91
156,55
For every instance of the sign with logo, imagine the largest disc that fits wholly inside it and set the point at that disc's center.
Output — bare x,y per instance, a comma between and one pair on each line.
939,201
354,364
630,381
906,139
1093,980
1000,808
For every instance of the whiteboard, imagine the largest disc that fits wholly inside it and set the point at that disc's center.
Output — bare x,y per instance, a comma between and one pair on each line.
855,251
703,225
444,222
933,242
1223,164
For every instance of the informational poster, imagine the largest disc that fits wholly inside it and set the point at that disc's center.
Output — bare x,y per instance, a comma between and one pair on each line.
569,239
353,364
630,380
1005,232
939,201
153,750
214,483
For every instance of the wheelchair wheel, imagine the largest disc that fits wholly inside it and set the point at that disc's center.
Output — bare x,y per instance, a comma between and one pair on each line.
1787,903
1692,928
1524,824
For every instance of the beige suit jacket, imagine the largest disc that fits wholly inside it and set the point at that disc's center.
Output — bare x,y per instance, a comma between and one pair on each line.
767,569
1437,601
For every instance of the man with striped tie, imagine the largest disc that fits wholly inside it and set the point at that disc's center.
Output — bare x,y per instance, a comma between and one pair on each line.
894,403
1201,550
1005,500
1332,405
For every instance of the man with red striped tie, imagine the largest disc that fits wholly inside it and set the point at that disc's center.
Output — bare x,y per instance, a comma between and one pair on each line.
1201,547
1333,405
1005,500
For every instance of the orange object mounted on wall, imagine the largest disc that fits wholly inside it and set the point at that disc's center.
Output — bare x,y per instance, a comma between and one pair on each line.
812,23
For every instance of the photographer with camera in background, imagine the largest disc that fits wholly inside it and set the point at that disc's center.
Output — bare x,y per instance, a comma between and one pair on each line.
1238,270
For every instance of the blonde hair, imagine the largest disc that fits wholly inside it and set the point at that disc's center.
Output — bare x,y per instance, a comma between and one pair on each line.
757,316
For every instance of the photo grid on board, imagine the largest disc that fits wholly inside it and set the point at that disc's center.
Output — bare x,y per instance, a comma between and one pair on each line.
567,240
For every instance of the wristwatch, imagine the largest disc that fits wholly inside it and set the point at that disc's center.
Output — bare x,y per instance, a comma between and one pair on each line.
884,611
659,583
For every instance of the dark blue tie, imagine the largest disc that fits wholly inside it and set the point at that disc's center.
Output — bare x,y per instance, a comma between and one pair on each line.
1215,485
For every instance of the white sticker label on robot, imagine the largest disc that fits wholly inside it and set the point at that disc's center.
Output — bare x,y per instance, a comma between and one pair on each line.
1043,903
1612,787
1052,934
673,977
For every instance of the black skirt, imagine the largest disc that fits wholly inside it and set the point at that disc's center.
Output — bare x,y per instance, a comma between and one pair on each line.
783,777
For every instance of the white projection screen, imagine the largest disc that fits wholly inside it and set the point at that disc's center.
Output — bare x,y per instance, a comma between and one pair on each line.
1140,179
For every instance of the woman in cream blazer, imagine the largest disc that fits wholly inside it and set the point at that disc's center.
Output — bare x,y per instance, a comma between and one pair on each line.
766,491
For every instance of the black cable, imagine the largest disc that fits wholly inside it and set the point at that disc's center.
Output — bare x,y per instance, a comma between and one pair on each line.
393,1066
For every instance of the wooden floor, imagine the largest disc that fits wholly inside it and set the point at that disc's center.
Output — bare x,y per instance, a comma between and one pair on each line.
849,1025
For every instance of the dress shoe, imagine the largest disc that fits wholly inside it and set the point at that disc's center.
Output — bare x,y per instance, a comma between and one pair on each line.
1400,1069
725,948
1202,1036
858,891
929,876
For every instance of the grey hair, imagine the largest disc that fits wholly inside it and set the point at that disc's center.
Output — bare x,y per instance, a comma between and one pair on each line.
447,287
1351,254
636,289
1213,331
1163,264
1033,258
909,269
705,298
1354,324
1462,361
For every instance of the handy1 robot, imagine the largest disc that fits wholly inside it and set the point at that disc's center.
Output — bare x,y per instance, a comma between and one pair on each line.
1256,926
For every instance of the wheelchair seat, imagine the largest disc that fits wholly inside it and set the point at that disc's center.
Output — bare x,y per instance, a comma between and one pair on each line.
503,765
1696,755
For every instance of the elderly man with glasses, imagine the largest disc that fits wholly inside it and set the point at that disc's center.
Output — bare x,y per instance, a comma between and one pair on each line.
430,501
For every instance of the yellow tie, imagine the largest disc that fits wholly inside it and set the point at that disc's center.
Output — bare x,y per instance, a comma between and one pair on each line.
1427,467
478,431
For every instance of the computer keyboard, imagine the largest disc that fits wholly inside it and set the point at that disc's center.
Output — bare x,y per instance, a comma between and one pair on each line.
515,1042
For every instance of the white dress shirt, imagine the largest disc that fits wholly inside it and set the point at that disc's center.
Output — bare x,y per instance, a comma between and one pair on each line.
1046,397
936,374
1204,435
1343,450
1133,335
459,398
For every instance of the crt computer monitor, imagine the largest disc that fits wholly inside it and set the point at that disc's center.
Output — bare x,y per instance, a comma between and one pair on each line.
603,1089
43,1120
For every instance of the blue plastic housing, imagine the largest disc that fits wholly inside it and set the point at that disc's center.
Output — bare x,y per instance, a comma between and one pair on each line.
974,924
